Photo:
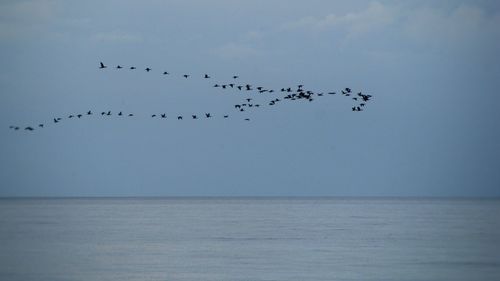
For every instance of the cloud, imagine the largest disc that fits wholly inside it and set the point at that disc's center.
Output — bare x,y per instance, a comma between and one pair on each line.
236,51
117,36
374,16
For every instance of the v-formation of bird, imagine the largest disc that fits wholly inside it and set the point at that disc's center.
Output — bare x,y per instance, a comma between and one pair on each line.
298,93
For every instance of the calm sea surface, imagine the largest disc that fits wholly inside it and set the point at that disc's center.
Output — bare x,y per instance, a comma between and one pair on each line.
249,239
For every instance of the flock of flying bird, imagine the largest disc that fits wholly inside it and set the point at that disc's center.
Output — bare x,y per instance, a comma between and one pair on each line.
287,94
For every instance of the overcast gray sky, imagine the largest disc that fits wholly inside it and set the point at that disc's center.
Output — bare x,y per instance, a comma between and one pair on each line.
433,68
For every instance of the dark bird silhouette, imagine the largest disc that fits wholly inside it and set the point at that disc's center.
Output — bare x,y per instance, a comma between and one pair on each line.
241,109
79,116
102,65
224,86
348,90
179,117
235,76
248,87
331,93
119,67
132,67
259,88
208,115
237,106
249,99
103,113
247,119
40,125
71,116
120,114
231,85
89,112
148,69
29,128
164,115
239,87
194,116
109,113
154,115
206,76
130,115
226,116
186,75
165,73
55,120
361,104
216,85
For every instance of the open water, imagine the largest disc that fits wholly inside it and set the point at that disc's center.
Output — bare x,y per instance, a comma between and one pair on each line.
249,239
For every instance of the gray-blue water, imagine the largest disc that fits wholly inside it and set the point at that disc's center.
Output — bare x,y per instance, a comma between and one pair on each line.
249,239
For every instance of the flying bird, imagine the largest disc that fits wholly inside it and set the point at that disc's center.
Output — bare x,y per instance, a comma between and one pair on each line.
102,65
148,69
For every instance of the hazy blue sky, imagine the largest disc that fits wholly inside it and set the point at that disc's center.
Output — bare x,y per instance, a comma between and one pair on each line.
433,68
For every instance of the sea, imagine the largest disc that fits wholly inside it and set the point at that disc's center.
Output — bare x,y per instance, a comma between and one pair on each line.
249,239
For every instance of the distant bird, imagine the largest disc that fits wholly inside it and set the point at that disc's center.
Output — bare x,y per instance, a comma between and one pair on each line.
119,67
89,112
102,65
259,88
348,90
16,128
109,113
206,76
186,75
132,67
40,125
55,120
164,115
179,117
239,87
249,87
235,76
194,116
237,106
300,86
226,116
331,93
79,116
247,119
120,114
165,73
231,85
29,128
208,115
216,85
130,115
249,99
148,69
224,86
71,116
154,115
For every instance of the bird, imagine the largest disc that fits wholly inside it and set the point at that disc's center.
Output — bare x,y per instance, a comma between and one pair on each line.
148,69
208,115
348,90
109,113
239,87
165,73
194,116
237,106
224,86
235,76
226,116
231,85
130,115
120,114
55,120
164,115
216,85
179,117
248,99
154,115
119,67
71,116
79,116
89,112
132,67
40,125
29,128
206,76
249,87
186,75
247,119
102,65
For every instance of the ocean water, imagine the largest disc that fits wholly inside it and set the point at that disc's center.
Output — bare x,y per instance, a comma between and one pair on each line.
249,239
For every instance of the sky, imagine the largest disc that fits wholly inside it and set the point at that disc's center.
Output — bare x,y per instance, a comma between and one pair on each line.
432,67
